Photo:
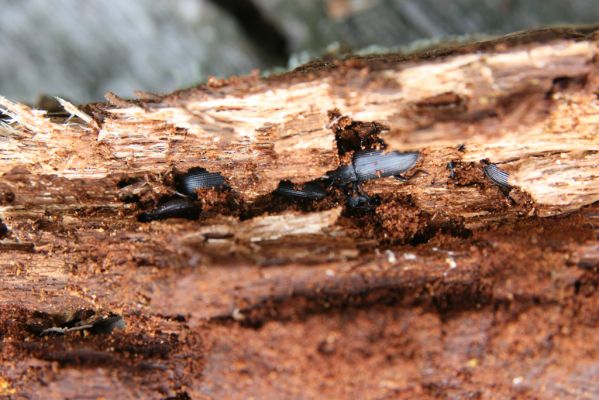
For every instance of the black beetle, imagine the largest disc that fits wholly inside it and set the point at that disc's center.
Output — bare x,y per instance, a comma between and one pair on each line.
199,178
451,168
498,176
312,190
100,325
360,200
174,208
373,164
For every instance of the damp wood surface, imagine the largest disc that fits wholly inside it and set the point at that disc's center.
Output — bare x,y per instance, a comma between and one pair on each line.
448,286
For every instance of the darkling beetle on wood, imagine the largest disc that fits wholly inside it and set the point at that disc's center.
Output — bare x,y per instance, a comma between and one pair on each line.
174,208
101,325
366,165
184,207
199,178
372,164
314,190
498,176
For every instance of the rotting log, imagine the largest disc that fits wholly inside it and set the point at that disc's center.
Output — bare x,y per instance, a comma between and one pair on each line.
450,284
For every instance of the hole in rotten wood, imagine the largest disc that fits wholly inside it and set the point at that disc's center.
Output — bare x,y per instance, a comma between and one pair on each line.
563,83
45,324
277,202
452,228
40,320
3,230
327,193
398,221
141,344
17,246
7,196
127,182
447,100
352,136
442,107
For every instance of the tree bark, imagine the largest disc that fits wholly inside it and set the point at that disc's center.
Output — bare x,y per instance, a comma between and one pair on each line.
452,284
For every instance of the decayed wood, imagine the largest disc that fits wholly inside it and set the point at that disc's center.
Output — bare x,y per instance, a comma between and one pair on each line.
71,190
258,132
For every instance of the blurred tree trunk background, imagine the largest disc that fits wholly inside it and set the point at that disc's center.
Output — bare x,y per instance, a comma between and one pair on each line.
80,50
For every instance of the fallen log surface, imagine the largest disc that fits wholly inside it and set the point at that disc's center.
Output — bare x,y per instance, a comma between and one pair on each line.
449,284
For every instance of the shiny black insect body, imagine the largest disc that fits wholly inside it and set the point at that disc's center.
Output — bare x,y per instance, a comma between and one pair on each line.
199,178
358,200
498,176
313,190
368,165
451,168
372,164
175,208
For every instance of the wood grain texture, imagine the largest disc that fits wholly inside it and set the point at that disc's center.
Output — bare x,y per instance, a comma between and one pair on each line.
441,247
